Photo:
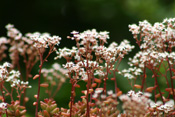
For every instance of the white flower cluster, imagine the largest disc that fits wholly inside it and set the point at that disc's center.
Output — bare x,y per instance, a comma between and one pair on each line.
66,52
156,43
90,37
131,73
160,37
57,71
12,77
90,43
4,71
3,40
13,33
135,97
98,93
167,107
69,65
19,46
3,47
78,69
44,40
88,64
134,103
114,50
151,57
100,73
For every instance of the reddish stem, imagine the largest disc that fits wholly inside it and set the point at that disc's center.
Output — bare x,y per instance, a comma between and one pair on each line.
115,81
87,95
27,75
172,86
105,80
2,82
39,80
72,94
156,83
144,76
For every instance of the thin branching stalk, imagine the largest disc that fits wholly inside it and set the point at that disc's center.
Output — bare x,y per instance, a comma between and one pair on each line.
91,86
10,94
156,83
39,80
27,76
105,80
155,92
71,98
72,94
1,86
171,75
87,95
28,66
115,82
144,76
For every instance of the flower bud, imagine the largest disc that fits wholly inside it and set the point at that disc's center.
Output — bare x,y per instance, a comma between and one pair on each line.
34,103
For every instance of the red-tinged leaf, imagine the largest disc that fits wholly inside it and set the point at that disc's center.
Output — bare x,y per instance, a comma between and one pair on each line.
168,89
150,89
94,85
118,90
77,85
173,70
83,97
91,90
92,104
36,76
173,77
46,114
145,76
65,114
119,93
94,110
45,85
112,78
97,80
17,113
137,86
157,95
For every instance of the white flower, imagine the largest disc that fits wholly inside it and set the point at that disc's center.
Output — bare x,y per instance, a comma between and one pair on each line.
131,92
98,90
103,96
134,29
6,64
110,92
8,26
3,40
3,105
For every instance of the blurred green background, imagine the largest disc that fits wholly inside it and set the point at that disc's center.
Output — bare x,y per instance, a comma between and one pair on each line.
60,17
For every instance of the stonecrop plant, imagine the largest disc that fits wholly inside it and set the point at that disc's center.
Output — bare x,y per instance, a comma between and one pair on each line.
93,62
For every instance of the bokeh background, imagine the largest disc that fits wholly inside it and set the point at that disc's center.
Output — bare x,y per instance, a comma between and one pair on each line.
60,17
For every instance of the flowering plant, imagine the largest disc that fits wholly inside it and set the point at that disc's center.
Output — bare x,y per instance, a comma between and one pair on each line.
93,63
